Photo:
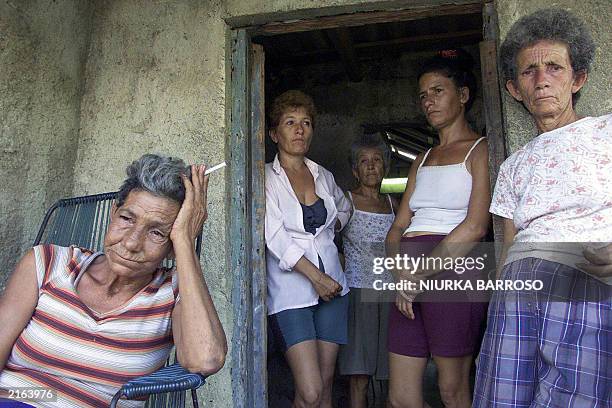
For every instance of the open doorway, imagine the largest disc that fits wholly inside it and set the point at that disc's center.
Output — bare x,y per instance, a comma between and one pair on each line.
363,80
360,70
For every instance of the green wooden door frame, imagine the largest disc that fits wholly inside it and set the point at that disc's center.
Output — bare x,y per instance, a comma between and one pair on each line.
246,195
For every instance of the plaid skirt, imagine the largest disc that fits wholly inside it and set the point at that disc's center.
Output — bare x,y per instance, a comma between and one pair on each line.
548,348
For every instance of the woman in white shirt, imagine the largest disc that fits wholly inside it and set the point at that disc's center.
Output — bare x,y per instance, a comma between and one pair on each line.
307,306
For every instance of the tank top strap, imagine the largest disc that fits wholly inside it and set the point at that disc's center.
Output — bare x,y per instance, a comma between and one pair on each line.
390,204
424,158
350,198
472,148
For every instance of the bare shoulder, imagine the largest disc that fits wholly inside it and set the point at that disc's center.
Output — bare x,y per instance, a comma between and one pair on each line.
419,159
482,147
26,265
417,162
23,282
480,152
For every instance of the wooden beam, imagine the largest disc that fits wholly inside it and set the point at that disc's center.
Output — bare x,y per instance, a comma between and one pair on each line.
246,195
343,43
359,19
418,39
491,92
237,227
365,46
490,26
257,212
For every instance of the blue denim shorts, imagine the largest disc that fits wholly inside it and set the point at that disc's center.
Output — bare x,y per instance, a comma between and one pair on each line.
326,321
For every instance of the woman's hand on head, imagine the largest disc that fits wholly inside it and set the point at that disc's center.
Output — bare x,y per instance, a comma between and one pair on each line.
194,211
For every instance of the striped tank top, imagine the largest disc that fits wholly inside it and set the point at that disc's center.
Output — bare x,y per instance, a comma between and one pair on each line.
82,354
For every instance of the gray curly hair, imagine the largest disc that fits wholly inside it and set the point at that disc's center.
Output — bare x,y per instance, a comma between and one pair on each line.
371,141
551,24
155,174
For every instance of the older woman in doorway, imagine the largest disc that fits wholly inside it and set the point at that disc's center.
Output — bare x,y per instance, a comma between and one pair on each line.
445,204
551,349
83,323
363,239
307,302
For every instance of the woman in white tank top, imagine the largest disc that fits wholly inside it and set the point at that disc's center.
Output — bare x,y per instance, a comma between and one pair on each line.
446,201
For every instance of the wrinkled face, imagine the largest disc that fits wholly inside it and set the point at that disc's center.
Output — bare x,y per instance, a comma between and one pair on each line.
441,101
545,79
293,133
138,237
370,167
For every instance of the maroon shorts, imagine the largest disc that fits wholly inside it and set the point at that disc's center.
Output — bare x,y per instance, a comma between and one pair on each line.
445,329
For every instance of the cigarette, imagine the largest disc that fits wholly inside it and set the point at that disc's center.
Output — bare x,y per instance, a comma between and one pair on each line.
214,168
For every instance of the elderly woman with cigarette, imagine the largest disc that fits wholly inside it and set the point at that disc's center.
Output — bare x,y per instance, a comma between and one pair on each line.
82,323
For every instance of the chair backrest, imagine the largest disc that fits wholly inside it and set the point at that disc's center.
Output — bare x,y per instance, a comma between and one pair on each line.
83,221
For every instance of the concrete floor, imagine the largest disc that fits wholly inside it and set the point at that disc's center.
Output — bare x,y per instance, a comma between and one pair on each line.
280,386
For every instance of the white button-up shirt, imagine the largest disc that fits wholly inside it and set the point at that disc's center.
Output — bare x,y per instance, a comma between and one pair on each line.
287,240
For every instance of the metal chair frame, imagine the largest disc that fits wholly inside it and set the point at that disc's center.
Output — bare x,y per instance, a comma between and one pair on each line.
83,221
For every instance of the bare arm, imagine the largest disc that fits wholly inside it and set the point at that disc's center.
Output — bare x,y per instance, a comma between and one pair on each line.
343,206
403,215
395,203
200,341
17,304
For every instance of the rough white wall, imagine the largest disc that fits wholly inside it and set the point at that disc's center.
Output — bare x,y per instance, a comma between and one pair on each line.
156,83
43,45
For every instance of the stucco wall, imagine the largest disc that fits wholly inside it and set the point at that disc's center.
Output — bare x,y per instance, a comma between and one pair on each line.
596,95
156,80
156,83
43,45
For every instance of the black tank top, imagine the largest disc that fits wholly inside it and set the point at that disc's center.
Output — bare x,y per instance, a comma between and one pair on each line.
314,215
